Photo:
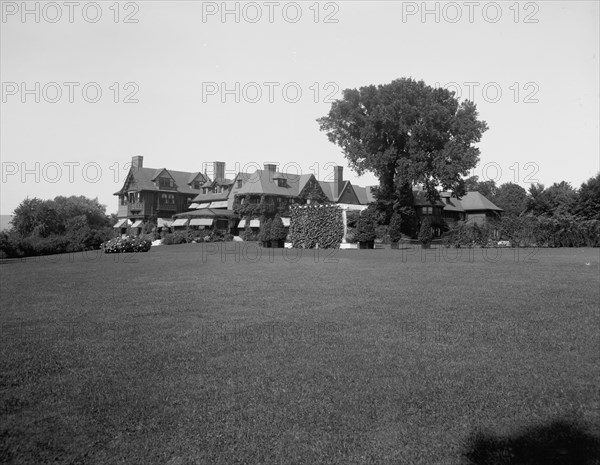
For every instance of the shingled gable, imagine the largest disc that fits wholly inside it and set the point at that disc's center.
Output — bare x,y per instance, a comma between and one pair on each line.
347,195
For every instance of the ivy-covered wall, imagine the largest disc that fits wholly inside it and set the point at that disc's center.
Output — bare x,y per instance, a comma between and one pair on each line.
316,224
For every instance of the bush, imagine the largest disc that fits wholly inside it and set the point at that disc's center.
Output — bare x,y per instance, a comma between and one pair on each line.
278,232
129,244
365,226
425,232
396,227
382,234
314,225
10,245
248,234
264,236
35,245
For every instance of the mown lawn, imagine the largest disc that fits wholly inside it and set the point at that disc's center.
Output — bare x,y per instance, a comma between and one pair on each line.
183,355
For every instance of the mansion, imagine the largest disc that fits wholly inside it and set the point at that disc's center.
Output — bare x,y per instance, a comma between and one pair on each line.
179,199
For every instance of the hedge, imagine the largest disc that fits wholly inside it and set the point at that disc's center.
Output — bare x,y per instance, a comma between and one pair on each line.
318,225
527,231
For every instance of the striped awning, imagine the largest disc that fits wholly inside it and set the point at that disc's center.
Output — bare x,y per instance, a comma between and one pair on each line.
180,222
255,223
194,205
201,222
122,223
219,204
286,222
137,224
162,223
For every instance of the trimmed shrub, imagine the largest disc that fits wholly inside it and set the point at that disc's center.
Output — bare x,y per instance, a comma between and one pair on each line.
248,234
278,232
365,226
425,232
314,225
129,244
264,236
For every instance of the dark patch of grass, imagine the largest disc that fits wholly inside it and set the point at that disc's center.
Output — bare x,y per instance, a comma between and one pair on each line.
560,442
199,354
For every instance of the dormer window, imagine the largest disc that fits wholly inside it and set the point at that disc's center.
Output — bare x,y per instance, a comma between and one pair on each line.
165,182
239,183
196,185
281,182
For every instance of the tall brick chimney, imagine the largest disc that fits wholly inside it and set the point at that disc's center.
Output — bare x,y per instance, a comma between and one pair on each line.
137,162
219,169
338,178
271,168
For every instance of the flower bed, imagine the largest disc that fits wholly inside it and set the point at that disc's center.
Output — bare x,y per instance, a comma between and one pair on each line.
128,244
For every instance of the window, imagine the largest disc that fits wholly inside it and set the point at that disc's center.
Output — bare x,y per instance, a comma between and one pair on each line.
427,210
196,185
165,182
281,182
167,199
239,183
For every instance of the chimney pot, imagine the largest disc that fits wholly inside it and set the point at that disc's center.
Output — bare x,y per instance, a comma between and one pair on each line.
137,161
219,169
338,178
271,168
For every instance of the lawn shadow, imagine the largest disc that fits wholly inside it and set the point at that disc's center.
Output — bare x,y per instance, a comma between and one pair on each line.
560,442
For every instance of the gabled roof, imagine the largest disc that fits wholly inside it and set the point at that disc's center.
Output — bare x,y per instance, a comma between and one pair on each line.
261,182
421,200
365,194
143,180
331,191
473,200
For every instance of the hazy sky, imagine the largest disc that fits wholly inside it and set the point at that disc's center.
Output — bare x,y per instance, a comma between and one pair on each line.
532,68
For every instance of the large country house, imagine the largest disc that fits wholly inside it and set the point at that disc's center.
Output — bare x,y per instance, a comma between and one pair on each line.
180,199
155,194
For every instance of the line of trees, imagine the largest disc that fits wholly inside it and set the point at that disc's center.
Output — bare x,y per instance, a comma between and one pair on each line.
556,201
64,224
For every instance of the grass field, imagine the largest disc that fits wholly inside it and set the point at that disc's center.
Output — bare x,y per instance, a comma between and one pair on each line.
186,355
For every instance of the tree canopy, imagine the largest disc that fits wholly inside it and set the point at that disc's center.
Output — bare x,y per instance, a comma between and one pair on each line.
588,203
406,132
511,197
63,214
486,188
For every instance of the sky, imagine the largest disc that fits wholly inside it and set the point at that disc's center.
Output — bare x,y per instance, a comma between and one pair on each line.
85,87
